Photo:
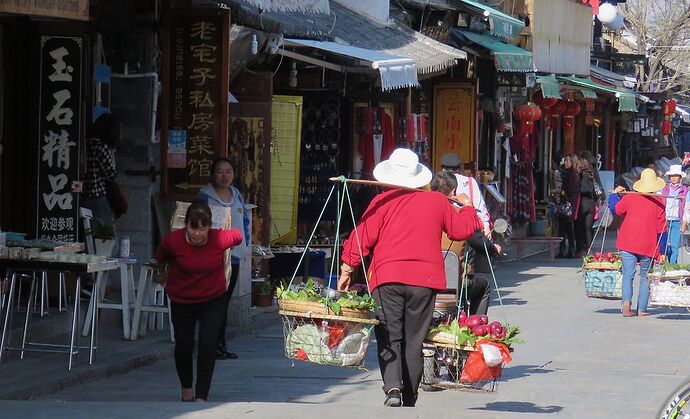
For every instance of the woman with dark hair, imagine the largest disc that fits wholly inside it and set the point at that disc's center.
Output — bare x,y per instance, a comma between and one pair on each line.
195,283
584,218
570,176
220,192
103,140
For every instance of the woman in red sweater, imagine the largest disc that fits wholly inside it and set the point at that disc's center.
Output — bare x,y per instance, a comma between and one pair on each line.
645,219
402,230
195,283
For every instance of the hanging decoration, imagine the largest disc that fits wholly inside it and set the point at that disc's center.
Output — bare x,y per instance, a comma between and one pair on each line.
528,114
669,110
589,108
556,111
572,109
669,107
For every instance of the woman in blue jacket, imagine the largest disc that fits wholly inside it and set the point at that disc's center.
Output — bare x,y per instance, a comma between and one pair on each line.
220,192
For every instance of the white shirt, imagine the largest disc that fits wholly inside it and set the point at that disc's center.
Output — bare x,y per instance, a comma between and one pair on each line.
672,204
464,185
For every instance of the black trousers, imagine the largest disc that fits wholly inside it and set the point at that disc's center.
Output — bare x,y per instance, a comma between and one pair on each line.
228,294
405,314
184,319
478,294
567,231
583,224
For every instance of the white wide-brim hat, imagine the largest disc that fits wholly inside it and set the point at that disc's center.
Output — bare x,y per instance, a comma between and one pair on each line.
675,170
403,169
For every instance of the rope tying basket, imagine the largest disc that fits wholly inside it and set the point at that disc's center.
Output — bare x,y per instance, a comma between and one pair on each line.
602,271
332,331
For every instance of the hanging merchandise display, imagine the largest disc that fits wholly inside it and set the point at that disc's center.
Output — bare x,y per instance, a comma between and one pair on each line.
666,126
669,107
523,145
572,109
413,130
321,146
376,142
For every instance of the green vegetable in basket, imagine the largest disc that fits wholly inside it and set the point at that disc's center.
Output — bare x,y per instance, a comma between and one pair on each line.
349,299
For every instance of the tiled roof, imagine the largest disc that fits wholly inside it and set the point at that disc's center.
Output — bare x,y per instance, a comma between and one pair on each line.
347,27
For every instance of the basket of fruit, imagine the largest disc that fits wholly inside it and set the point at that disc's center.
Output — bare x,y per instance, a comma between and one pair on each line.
325,326
467,353
602,273
603,261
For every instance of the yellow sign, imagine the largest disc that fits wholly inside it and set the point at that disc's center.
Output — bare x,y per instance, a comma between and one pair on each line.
453,122
68,9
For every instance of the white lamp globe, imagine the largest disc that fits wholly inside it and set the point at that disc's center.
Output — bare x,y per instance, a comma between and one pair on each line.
607,13
616,24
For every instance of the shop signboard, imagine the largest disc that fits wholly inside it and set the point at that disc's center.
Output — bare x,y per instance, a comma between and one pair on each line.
60,84
68,9
195,108
454,123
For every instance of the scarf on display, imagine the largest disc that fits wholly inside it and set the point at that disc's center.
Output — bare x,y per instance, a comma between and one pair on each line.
367,150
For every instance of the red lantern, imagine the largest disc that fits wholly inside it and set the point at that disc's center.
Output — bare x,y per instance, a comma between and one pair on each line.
669,107
528,113
543,102
589,105
572,108
558,109
666,127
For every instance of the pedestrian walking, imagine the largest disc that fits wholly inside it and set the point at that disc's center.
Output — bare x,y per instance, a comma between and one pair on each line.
401,229
220,192
195,282
644,219
675,205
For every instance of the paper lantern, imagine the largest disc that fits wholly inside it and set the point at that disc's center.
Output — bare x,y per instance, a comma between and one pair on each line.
572,108
558,109
669,107
607,13
528,113
543,102
589,105
666,127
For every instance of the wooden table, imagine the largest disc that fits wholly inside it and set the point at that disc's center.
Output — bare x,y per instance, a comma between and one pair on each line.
80,269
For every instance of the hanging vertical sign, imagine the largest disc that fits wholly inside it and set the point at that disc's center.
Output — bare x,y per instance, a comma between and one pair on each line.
195,84
59,125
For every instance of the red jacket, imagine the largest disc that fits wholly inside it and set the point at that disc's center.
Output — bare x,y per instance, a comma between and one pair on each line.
196,273
645,219
404,230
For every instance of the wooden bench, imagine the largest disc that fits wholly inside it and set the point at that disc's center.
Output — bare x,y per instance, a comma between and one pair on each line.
552,242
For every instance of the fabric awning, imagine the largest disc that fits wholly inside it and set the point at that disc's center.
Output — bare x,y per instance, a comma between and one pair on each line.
626,99
549,87
500,24
507,57
395,71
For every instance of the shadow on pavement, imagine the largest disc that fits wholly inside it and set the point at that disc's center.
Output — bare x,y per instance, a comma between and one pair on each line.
522,371
519,407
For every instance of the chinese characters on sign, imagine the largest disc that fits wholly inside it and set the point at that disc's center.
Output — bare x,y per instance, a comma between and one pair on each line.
453,122
196,131
69,9
58,159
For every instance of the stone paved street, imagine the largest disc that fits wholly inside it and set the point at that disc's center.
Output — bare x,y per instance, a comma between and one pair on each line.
581,359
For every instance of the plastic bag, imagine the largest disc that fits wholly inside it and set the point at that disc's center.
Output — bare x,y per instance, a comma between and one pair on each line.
492,355
476,369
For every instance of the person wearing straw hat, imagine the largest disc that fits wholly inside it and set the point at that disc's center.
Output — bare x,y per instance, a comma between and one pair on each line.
644,219
401,229
675,204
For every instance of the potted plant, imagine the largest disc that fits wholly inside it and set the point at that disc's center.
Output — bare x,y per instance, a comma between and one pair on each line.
264,293
103,237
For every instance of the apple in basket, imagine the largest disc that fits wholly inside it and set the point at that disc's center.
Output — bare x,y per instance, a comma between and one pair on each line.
462,320
474,321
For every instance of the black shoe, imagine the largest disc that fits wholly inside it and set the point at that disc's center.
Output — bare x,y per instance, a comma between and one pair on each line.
220,355
409,400
393,398
227,354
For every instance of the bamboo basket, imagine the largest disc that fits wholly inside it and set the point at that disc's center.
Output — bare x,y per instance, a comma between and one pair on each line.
311,307
602,266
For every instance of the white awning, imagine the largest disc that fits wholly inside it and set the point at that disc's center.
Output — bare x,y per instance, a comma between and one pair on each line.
395,71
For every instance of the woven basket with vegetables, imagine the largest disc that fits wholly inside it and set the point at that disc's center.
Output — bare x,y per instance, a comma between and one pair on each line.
325,326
